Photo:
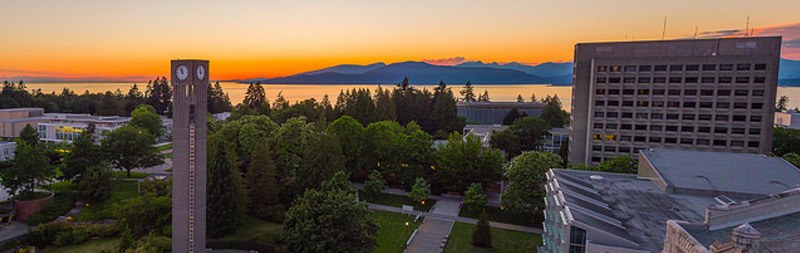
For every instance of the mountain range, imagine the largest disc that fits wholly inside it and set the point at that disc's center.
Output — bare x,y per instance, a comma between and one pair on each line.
476,72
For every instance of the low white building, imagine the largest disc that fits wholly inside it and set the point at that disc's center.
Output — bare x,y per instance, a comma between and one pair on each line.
65,127
788,119
7,150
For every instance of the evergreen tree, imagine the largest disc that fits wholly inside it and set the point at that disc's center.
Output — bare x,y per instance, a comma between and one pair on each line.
468,93
351,138
484,97
563,152
96,184
323,159
553,114
256,99
280,102
420,191
444,113
326,111
482,237
218,100
520,99
474,198
134,98
533,98
782,103
262,187
29,135
222,214
513,115
159,95
84,153
384,105
374,185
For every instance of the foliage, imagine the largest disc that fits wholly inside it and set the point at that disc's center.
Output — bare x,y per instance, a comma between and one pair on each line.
129,147
29,135
223,215
785,140
503,240
218,100
290,143
145,214
330,220
482,237
507,141
463,162
351,137
262,187
255,99
468,93
84,153
552,112
782,103
61,204
618,164
526,174
152,243
29,169
145,117
420,191
793,158
563,152
513,115
374,185
474,198
96,184
531,130
64,234
322,159
162,188
484,97
159,95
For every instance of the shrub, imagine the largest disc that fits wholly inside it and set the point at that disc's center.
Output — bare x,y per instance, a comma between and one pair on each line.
61,204
482,237
239,244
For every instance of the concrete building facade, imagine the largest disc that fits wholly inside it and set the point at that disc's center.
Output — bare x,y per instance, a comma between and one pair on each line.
489,113
705,94
788,119
189,130
12,121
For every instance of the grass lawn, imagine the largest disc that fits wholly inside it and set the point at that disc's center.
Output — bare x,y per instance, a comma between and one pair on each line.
107,244
123,190
165,147
495,214
256,229
392,231
61,186
502,240
168,155
124,174
387,199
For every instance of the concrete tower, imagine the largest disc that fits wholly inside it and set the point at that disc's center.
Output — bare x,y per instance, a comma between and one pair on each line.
189,95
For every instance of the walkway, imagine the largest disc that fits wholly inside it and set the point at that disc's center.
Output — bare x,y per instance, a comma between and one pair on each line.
430,236
427,215
12,231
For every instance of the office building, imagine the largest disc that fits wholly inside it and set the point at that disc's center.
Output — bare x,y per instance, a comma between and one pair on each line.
65,127
7,150
705,94
709,194
12,121
189,103
495,112
788,119
555,138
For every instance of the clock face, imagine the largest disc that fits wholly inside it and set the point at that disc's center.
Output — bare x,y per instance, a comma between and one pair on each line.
201,72
182,72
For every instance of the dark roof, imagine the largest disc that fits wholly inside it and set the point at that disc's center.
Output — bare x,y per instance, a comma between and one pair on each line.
780,234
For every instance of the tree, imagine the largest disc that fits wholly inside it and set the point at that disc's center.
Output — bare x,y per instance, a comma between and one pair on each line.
463,162
330,220
262,187
144,214
553,114
482,237
323,159
218,101
468,93
159,95
618,164
531,131
420,191
290,144
484,97
129,147
444,113
474,198
351,137
29,135
782,103
223,215
256,99
533,98
563,152
145,117
526,174
374,185
513,115
507,141
785,140
96,184
793,158
520,99
384,105
84,153
29,169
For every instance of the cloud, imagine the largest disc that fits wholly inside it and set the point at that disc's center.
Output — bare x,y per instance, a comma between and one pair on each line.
447,61
789,32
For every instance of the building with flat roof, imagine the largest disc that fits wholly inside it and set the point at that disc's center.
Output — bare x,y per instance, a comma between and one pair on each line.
482,131
12,121
555,138
65,127
7,150
494,112
788,119
704,94
589,211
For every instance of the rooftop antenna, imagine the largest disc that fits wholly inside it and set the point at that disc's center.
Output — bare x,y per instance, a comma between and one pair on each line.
695,32
747,27
664,30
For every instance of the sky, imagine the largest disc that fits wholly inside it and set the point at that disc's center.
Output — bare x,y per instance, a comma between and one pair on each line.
135,40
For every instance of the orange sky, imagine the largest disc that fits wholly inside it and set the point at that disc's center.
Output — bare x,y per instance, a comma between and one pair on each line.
244,38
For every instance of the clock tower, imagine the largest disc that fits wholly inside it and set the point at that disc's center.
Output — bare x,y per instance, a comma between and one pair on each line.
189,103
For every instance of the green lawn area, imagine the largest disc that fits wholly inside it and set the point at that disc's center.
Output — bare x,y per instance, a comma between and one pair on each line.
61,186
387,199
124,174
123,190
495,214
502,240
168,155
107,244
165,147
256,229
392,231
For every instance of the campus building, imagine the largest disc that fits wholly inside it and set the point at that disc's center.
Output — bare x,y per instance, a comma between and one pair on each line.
680,201
703,94
788,119
7,150
12,121
495,112
65,127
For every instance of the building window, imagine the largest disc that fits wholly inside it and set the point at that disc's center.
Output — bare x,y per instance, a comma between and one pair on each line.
612,114
740,105
661,68
725,79
759,79
756,105
690,92
737,143
627,103
726,67
629,80
705,117
689,104
689,141
755,118
672,115
720,142
761,66
627,115
706,92
737,130
671,128
758,93
691,80
630,68
674,92
688,117
641,103
641,127
657,116
739,118
644,80
645,68
658,92
723,105
720,130
602,68
656,127
613,91
676,68
706,104
707,79
599,103
625,127
658,104
614,80
754,131
643,92
659,80
703,142
709,67
692,67
724,93
601,80
752,144
627,92
721,117
741,67
742,79
703,129
673,104
639,139
600,91
671,140
687,129
598,114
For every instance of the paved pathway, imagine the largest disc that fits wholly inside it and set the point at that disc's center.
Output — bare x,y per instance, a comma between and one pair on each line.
12,230
525,229
430,236
160,169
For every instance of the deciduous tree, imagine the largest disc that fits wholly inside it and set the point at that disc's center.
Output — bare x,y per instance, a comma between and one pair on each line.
526,174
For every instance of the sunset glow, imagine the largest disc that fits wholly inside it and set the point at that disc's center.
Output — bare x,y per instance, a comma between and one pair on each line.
133,40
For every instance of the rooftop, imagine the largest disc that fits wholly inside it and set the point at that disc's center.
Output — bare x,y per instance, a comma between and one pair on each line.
501,104
720,172
631,209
